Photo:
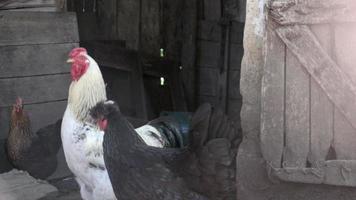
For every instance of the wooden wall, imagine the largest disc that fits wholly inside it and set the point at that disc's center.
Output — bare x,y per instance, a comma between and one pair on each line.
189,31
33,52
33,5
219,80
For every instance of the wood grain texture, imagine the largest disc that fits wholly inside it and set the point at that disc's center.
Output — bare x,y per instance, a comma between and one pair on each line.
344,47
297,113
40,115
321,133
340,172
237,52
26,4
212,9
208,54
272,99
335,83
34,59
34,89
21,28
189,52
39,9
208,80
345,138
150,39
312,12
332,172
234,84
211,31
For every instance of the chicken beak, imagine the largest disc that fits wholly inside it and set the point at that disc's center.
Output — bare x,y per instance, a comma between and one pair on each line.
70,60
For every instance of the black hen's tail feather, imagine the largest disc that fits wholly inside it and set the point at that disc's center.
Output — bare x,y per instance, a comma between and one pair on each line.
50,137
214,143
200,126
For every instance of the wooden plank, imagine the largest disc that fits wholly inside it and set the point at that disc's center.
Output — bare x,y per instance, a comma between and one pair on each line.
332,172
297,114
344,46
272,99
41,115
22,28
34,89
211,31
212,10
189,52
128,31
29,60
40,9
344,138
234,84
312,12
208,54
340,172
234,109
335,83
321,133
150,19
208,80
237,52
26,4
299,175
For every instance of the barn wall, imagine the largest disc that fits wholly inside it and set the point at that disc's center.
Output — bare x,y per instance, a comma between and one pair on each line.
32,64
34,48
212,81
254,182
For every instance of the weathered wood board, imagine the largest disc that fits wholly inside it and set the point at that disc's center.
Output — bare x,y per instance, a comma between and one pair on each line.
7,5
211,31
212,9
34,89
273,100
207,81
321,113
29,60
23,28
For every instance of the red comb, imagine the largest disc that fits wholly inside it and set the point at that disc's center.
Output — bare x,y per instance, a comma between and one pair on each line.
19,101
76,51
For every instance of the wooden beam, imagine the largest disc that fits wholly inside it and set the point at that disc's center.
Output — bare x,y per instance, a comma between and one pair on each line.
312,12
332,172
335,83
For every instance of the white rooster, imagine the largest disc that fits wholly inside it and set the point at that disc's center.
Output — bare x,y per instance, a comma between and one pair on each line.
82,141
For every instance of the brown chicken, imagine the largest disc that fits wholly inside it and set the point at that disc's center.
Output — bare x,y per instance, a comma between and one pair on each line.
32,152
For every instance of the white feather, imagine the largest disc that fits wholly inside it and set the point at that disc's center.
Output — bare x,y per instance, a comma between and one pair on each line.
150,135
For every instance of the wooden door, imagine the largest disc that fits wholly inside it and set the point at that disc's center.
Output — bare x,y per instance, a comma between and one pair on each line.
308,116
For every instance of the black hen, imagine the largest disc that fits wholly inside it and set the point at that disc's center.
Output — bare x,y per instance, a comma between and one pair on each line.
204,170
32,152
